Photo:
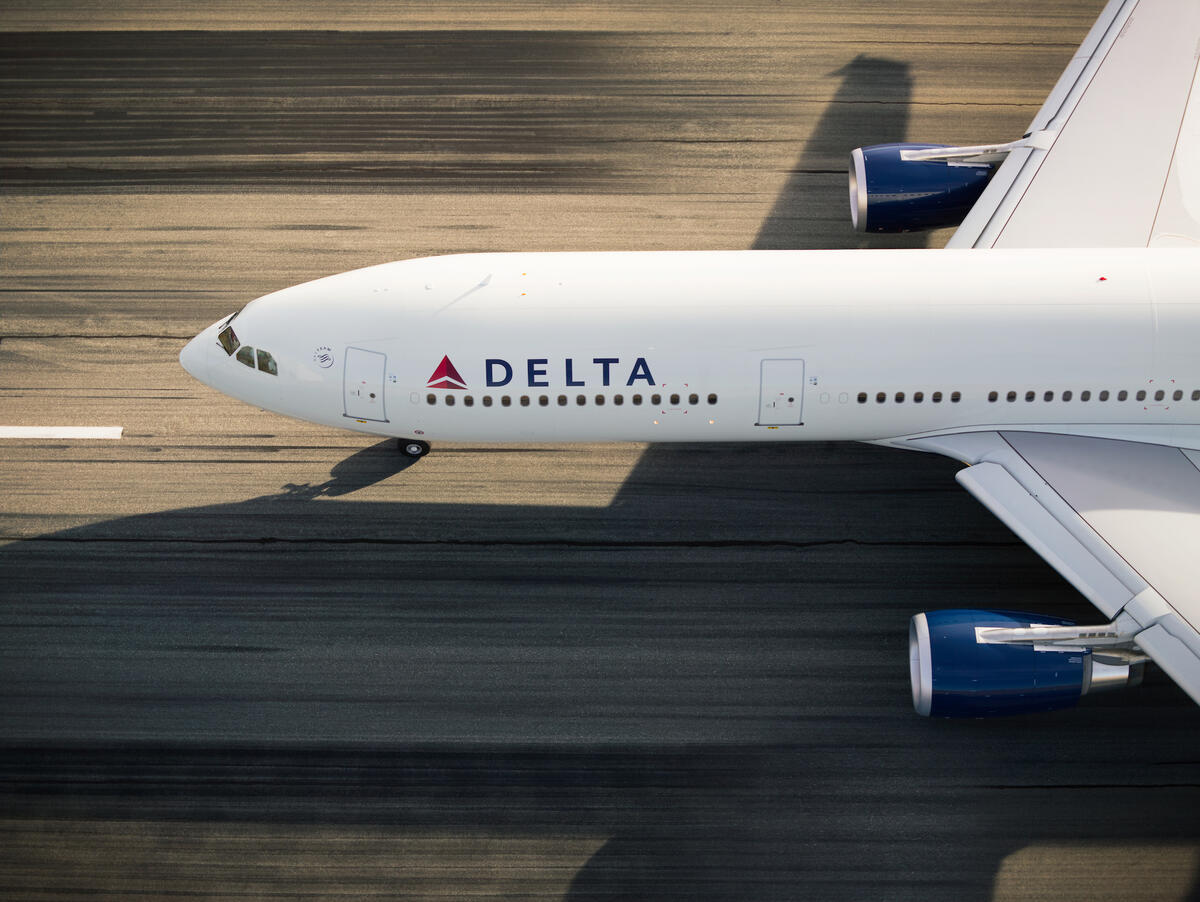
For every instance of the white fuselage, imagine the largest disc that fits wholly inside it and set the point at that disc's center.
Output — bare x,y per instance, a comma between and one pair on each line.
731,346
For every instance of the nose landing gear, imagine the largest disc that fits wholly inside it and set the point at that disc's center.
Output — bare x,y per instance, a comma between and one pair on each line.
413,447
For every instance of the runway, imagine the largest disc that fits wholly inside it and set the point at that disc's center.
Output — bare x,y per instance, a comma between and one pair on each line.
245,656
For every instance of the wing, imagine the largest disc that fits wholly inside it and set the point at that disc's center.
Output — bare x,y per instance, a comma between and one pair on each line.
1112,159
1120,520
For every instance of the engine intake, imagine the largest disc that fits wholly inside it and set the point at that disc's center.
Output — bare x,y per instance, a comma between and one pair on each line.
891,194
954,674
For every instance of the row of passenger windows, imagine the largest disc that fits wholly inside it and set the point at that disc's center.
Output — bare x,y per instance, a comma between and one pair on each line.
994,396
1140,395
917,397
266,363
673,400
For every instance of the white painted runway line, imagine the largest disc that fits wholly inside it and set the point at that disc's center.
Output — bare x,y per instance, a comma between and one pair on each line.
104,432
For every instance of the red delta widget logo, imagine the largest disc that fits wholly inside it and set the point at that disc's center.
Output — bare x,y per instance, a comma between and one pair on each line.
498,373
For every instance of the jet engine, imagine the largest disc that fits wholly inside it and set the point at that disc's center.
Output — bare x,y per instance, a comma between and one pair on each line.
900,188
987,663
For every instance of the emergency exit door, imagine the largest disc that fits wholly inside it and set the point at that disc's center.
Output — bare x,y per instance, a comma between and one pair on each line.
363,384
781,393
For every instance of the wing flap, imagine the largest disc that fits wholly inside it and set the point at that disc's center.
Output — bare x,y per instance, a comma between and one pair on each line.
1142,500
1114,149
1119,520
1001,493
1179,658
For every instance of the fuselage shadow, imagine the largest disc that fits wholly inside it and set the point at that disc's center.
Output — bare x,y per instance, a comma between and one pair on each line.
709,672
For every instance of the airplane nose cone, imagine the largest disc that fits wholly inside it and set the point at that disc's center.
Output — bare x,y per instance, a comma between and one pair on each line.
194,357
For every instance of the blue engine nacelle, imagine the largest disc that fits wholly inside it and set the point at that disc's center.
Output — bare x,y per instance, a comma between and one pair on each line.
888,194
955,675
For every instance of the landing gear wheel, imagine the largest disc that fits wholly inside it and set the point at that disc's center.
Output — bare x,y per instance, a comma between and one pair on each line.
413,447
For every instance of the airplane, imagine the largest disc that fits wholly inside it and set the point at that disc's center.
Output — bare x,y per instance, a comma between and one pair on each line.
1051,347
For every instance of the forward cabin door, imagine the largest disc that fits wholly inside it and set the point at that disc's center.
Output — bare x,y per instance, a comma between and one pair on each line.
363,385
781,393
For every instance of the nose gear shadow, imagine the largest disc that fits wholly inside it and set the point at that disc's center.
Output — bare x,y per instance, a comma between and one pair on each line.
358,471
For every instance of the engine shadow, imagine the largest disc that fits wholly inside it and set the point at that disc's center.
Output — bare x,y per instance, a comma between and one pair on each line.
871,106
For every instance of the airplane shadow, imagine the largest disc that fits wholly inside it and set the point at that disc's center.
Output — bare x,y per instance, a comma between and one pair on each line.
709,671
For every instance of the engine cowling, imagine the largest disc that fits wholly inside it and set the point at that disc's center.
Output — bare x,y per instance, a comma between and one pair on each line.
890,194
955,675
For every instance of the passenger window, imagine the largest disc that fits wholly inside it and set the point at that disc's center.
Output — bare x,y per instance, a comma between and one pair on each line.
1104,395
918,397
580,400
1141,395
1085,396
431,399
266,363
562,400
468,401
937,397
1011,396
712,399
899,397
599,400
449,400
1068,395
524,400
862,398
656,400
505,401
1048,396
1196,395
228,339
1122,395
245,355
618,400
880,397
636,400
955,397
487,400
543,401
1158,395
1029,396
674,400
1178,396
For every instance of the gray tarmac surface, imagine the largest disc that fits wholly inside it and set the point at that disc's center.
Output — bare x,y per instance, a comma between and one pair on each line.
244,656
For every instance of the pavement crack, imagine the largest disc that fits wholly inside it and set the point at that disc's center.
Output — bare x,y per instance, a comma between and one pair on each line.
513,543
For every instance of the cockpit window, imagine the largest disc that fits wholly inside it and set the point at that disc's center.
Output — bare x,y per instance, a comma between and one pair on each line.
266,363
229,341
245,355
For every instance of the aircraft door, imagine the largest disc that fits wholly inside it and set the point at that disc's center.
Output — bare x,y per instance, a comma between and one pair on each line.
363,384
781,393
